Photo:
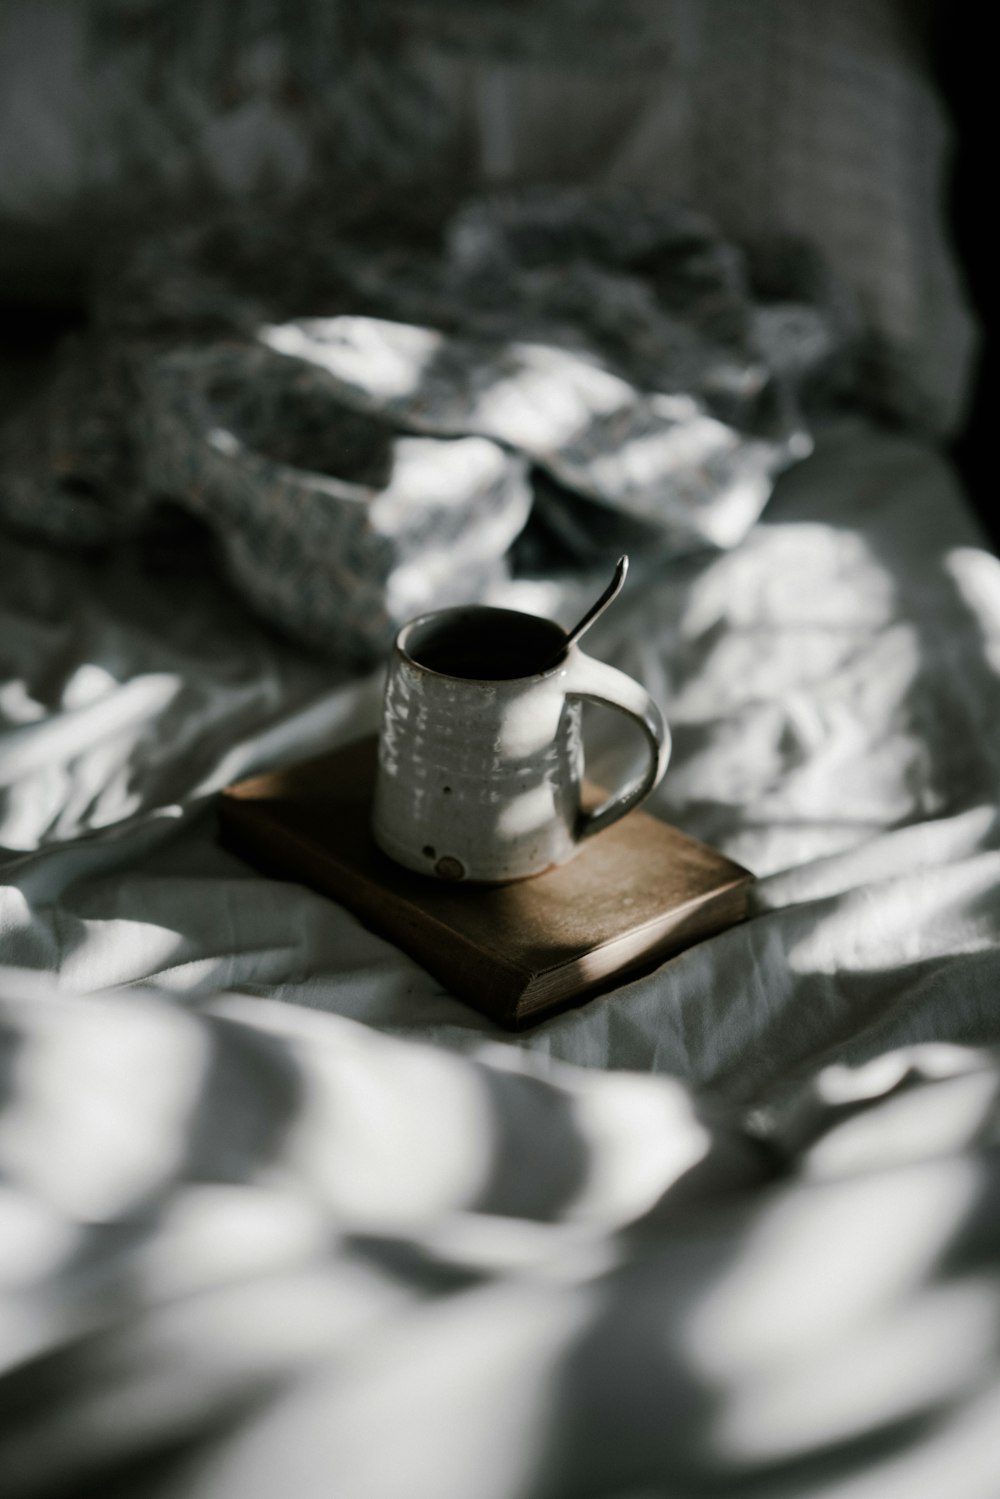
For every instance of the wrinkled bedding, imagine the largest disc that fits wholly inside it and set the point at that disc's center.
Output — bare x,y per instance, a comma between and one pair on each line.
602,362
278,1213
832,686
249,1250
287,1217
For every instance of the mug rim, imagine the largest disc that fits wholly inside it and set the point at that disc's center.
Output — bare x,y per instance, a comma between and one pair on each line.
400,646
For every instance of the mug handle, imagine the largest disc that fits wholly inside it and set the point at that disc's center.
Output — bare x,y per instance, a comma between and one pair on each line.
596,682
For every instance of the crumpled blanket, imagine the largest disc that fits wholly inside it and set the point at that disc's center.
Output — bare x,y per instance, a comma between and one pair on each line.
248,1250
588,356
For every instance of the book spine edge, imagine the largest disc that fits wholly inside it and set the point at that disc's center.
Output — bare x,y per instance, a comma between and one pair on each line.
500,985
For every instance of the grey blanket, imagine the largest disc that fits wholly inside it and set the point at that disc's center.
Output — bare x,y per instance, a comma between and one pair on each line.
598,363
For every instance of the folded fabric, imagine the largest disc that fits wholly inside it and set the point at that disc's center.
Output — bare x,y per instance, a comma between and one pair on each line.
655,457
614,339
331,524
361,466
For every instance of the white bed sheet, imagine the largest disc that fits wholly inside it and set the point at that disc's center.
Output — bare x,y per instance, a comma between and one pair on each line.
249,1248
834,691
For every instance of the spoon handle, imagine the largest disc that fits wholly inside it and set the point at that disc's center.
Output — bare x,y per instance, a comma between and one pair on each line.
612,591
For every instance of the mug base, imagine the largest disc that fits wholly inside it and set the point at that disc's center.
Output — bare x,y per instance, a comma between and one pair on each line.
449,868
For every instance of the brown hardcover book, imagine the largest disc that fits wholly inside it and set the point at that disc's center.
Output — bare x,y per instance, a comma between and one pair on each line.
635,894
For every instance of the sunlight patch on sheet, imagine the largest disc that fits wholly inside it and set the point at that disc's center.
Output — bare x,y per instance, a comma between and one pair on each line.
112,950
435,579
34,1240
345,711
845,938
936,1119
89,683
356,349
17,706
911,1359
180,1365
51,740
976,575
643,1135
738,507
440,475
822,1261
955,1457
467,1387
652,456
98,1115
804,572
389,1136
550,396
214,1232
840,1084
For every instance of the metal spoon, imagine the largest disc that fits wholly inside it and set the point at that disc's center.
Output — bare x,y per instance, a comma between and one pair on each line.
610,593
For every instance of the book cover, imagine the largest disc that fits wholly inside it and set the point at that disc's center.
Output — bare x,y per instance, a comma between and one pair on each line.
634,895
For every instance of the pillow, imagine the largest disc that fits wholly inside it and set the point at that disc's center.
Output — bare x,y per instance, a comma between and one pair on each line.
781,118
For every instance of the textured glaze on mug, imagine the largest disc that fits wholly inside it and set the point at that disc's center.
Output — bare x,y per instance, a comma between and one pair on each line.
479,776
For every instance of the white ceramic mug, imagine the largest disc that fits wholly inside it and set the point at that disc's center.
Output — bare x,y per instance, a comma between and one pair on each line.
480,753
